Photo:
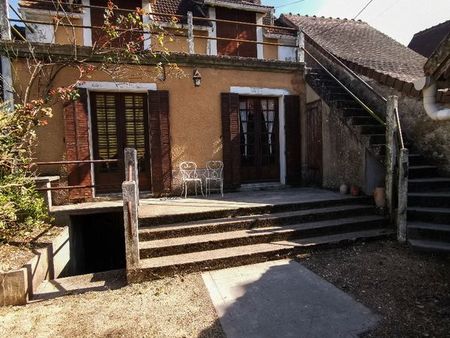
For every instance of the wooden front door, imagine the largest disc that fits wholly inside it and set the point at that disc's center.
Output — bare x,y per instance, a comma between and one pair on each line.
259,136
314,162
120,121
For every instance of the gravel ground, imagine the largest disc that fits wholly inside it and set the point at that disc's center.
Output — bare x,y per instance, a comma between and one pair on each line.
171,307
410,290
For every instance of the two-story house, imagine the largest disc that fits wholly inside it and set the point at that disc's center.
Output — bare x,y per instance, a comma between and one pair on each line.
246,111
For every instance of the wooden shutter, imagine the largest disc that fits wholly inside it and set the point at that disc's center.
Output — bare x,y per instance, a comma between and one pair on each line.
231,139
293,137
161,163
76,125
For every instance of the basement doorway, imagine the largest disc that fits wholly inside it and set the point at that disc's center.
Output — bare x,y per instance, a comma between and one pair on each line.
97,243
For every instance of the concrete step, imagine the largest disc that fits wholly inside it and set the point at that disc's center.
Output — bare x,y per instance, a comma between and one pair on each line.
423,171
436,200
429,231
434,246
154,268
437,184
180,245
253,222
145,221
432,215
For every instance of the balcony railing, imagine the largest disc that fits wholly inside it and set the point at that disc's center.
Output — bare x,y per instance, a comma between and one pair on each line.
183,27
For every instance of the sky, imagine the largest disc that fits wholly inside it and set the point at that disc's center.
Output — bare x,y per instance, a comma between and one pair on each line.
400,19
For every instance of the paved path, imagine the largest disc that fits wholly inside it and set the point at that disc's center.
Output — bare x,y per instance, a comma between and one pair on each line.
283,299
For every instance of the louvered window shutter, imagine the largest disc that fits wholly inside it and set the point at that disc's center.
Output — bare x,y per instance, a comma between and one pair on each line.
231,139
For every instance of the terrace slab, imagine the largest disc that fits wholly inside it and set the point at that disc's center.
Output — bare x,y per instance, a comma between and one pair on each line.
284,299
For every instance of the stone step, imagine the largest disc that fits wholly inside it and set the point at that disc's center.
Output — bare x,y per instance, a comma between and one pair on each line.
180,245
417,159
434,246
429,231
372,129
154,268
362,120
145,221
423,171
353,111
437,184
432,215
253,222
377,139
436,200
347,104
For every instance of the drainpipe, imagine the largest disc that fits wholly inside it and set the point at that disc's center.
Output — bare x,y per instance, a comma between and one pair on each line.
432,108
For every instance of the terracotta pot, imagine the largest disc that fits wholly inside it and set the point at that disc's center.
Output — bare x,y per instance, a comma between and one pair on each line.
379,195
354,190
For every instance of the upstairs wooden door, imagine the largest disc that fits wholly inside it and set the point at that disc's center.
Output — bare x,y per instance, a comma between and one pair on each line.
120,121
236,31
314,152
259,135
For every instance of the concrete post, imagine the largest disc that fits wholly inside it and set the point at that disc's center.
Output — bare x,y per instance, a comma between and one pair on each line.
390,152
5,29
402,195
300,46
190,21
132,168
131,224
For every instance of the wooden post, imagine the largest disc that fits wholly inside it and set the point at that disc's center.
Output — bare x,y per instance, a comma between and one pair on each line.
390,152
300,46
132,168
190,21
5,29
131,224
402,195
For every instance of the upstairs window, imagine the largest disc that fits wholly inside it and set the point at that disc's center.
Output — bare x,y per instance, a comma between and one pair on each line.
236,31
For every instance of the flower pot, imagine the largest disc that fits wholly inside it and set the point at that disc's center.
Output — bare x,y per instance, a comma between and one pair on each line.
379,195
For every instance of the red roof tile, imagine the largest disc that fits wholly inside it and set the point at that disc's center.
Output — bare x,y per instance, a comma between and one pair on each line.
361,45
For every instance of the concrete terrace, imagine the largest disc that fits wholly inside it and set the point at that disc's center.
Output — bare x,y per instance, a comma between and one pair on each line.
157,207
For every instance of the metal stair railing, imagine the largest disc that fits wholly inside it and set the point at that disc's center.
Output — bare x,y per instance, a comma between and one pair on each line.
356,98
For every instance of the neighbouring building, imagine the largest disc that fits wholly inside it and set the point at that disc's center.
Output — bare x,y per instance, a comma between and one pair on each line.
425,42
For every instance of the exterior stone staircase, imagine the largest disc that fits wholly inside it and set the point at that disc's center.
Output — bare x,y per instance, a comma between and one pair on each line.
202,241
429,193
428,207
370,132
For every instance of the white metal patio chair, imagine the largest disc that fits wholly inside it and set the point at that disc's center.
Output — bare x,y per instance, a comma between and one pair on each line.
214,174
189,174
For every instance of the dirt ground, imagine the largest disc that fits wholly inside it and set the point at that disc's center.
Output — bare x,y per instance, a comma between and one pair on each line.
171,307
408,289
19,250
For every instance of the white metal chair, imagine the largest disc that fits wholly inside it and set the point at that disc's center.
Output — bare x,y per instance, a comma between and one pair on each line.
189,174
214,174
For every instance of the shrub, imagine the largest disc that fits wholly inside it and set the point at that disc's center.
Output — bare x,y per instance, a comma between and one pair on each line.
21,207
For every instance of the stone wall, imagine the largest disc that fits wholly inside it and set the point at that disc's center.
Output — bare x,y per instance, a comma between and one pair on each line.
426,136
